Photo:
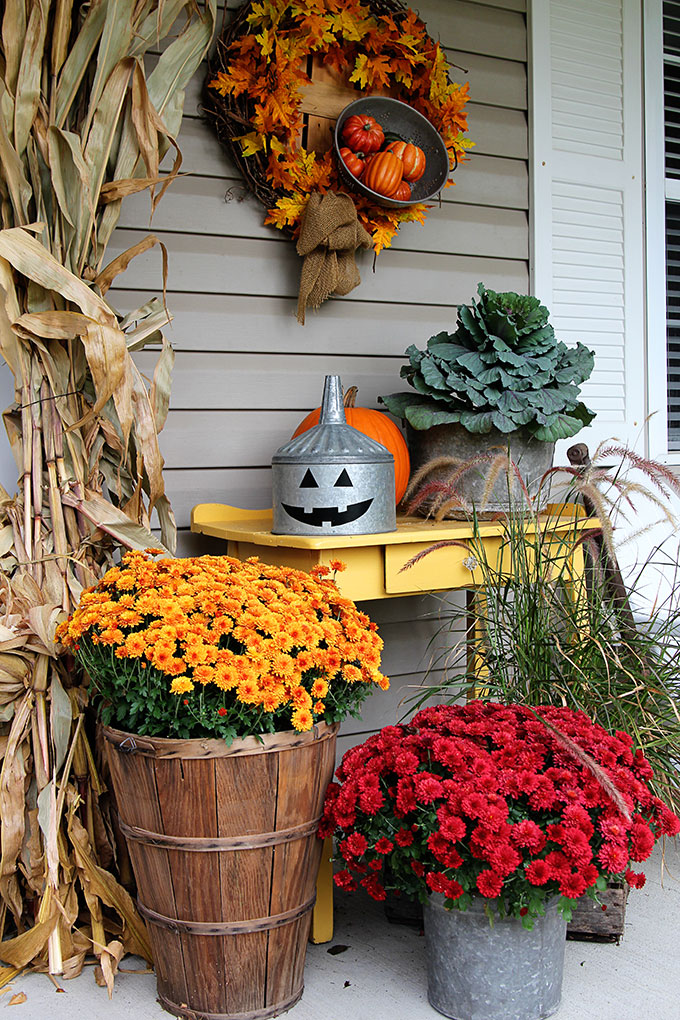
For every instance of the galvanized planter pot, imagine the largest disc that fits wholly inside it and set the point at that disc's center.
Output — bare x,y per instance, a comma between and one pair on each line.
504,972
532,457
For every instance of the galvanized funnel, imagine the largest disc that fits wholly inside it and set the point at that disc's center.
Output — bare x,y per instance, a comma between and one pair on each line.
333,479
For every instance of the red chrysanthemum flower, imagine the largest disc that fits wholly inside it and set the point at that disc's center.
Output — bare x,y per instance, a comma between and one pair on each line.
345,880
573,885
404,837
576,846
538,872
406,763
427,787
641,841
504,859
559,864
614,828
636,879
544,795
354,846
527,834
384,846
576,815
373,887
613,856
489,884
475,804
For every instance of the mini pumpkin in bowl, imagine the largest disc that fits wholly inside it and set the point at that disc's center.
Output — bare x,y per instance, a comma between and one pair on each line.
409,165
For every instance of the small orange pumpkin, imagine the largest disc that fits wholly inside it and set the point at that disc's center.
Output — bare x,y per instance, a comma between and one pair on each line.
403,192
411,156
384,173
377,426
353,162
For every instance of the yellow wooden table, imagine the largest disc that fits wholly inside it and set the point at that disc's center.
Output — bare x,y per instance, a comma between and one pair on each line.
375,571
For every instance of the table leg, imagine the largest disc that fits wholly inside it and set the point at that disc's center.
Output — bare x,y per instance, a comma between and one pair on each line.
322,915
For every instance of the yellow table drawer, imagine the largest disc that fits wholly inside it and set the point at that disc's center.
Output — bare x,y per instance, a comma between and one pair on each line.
438,571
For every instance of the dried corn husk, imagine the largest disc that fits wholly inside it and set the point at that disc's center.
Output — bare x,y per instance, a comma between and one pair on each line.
76,100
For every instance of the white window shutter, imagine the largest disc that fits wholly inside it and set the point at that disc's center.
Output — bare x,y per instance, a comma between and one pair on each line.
587,209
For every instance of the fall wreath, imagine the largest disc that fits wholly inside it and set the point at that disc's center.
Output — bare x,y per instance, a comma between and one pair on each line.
265,59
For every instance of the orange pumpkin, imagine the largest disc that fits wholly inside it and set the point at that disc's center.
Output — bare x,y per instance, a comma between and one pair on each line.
353,161
377,426
384,173
403,192
411,156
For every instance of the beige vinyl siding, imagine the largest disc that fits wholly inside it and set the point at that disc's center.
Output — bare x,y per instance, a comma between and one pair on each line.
246,372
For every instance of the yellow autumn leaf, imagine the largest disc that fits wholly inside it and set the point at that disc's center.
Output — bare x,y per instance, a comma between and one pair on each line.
251,143
266,39
287,211
360,74
383,235
348,26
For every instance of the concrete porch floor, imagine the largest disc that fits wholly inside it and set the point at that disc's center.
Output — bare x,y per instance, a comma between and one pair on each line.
381,973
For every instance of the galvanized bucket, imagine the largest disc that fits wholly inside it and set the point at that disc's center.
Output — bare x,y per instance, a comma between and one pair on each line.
479,972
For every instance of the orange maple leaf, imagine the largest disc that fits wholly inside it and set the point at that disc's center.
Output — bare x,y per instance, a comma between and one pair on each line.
371,71
383,234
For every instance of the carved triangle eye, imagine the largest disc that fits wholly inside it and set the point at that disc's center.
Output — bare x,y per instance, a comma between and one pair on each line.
344,479
309,481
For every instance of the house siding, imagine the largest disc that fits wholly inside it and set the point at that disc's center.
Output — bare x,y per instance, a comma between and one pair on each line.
246,372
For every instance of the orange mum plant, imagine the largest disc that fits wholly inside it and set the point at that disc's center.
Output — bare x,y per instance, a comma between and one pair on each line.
213,646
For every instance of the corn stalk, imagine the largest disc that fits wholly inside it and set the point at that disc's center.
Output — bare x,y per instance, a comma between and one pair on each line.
91,99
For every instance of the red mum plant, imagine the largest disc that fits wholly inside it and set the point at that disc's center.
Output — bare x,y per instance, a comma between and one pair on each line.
514,804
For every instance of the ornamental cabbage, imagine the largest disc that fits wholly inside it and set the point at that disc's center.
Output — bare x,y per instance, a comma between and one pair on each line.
501,368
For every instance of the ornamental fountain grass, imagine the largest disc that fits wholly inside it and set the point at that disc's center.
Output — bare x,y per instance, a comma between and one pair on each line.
497,817
228,680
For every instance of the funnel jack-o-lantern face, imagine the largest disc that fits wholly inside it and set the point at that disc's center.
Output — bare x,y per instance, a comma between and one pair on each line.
325,501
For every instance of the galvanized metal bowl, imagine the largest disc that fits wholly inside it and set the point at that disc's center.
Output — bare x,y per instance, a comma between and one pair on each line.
400,119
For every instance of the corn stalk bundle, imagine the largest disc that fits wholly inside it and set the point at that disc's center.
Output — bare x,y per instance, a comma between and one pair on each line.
91,99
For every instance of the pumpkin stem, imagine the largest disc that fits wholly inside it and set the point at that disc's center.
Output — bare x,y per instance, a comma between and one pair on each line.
350,397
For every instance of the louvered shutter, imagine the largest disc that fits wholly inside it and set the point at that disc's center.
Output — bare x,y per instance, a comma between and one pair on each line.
588,237
671,95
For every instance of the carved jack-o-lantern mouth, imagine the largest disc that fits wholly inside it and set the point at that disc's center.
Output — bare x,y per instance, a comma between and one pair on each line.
333,515
317,517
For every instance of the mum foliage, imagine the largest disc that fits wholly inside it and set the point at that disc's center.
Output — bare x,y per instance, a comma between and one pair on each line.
495,801
213,646
262,69
503,368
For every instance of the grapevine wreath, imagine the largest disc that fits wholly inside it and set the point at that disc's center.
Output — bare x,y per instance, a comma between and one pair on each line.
263,61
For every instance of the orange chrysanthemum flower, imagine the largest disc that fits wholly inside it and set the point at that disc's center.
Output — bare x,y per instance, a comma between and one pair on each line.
302,719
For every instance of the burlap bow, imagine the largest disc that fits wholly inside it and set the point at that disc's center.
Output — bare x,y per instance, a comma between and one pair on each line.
329,236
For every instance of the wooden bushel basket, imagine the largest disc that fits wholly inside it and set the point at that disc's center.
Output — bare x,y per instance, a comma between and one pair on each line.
225,854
